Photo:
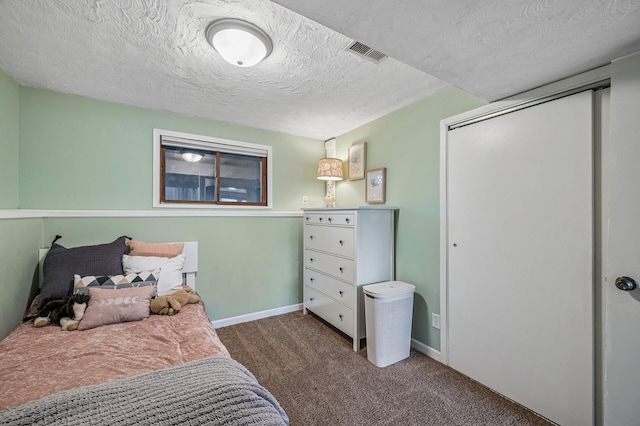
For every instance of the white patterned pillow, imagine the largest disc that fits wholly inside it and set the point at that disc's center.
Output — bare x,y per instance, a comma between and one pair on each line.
140,279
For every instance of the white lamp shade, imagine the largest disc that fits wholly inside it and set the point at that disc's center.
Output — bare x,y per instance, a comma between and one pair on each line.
329,169
238,42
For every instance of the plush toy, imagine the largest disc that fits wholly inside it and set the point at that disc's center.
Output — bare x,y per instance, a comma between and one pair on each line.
66,313
171,303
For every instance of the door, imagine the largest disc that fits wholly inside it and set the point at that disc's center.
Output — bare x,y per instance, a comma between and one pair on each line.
621,213
520,256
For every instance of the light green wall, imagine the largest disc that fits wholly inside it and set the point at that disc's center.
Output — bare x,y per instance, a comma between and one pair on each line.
407,143
78,153
9,125
82,153
246,265
21,239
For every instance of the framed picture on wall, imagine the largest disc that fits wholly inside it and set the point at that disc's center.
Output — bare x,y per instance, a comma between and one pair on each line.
357,160
376,185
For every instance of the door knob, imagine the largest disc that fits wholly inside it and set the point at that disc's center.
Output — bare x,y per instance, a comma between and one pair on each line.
625,283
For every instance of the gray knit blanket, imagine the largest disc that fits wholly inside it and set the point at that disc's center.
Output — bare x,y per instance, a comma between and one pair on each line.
209,391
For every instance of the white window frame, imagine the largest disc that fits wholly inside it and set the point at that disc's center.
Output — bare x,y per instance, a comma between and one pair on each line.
213,143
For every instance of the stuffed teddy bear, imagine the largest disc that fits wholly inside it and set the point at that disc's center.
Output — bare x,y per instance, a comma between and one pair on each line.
170,304
66,313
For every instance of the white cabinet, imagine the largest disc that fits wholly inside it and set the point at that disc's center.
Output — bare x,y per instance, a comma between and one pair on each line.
345,249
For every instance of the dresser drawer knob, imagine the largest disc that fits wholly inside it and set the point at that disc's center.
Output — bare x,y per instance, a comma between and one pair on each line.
330,220
311,259
340,315
311,279
348,220
341,270
320,219
341,242
307,218
341,293
311,237
311,299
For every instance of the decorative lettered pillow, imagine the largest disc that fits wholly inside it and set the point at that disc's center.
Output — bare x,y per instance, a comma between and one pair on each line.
112,306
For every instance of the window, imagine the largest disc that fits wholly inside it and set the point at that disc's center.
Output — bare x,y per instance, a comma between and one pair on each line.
201,171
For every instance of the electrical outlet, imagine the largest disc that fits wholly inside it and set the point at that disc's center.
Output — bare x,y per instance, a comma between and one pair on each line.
435,321
305,200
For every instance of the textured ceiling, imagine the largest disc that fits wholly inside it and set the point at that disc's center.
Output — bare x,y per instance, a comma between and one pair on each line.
490,48
153,54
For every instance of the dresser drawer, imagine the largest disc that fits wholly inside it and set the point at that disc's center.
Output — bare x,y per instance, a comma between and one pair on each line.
330,310
334,240
339,290
335,266
315,219
340,219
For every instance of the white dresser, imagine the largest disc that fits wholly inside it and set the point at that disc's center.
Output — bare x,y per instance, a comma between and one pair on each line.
345,249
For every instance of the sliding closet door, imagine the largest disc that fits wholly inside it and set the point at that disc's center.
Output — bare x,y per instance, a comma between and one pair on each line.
520,256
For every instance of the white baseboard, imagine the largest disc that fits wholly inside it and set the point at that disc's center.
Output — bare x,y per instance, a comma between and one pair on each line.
256,315
427,350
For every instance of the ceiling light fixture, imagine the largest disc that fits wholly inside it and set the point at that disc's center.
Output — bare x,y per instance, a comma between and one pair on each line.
240,43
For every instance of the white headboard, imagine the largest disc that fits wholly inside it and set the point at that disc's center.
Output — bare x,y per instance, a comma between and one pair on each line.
189,269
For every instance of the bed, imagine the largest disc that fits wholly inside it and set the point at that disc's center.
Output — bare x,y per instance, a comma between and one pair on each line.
158,370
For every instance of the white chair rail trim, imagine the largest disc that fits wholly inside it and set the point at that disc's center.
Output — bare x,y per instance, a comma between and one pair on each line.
40,214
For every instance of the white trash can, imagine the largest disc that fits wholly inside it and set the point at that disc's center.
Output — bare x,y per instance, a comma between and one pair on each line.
388,311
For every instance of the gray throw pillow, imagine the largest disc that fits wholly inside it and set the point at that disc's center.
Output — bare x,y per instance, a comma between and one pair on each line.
61,264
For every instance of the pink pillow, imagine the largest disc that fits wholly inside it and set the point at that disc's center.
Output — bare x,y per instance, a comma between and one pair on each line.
138,248
112,306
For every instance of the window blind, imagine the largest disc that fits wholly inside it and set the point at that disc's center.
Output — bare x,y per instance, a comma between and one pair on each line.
218,146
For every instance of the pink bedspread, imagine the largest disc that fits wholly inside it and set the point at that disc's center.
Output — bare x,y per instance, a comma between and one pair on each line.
36,362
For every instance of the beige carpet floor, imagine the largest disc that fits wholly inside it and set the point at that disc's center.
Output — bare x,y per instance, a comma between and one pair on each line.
317,378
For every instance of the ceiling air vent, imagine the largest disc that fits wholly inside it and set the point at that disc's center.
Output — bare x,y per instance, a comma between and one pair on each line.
365,51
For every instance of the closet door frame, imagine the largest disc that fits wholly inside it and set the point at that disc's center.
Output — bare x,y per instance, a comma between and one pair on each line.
592,79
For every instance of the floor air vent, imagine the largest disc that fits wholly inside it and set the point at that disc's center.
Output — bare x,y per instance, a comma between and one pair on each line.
365,51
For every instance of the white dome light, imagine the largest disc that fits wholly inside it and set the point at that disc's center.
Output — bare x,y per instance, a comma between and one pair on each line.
239,42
